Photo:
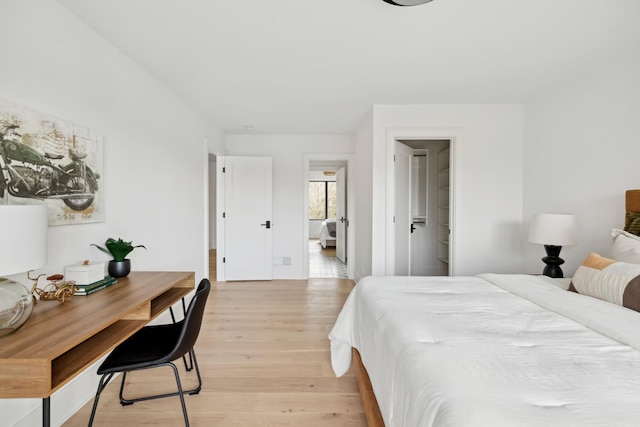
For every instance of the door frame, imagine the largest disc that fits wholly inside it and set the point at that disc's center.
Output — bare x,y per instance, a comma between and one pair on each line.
350,160
453,134
341,221
212,219
207,208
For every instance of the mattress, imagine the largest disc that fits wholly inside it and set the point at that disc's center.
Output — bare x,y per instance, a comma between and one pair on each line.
491,350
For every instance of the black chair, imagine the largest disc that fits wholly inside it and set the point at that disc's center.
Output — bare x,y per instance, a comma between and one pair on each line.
154,346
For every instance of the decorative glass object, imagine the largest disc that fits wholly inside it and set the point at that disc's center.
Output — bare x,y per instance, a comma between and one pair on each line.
16,304
23,229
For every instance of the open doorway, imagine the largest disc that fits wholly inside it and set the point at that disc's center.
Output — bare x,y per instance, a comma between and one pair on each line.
323,254
327,218
422,217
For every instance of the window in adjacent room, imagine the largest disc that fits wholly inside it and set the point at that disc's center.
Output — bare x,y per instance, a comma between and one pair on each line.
322,199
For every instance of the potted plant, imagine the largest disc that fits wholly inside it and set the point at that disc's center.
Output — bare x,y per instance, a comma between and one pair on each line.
120,266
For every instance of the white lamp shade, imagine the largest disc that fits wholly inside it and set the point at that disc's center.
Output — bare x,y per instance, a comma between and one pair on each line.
23,237
553,229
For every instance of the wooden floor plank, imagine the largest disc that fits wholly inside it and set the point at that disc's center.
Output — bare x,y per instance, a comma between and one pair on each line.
265,361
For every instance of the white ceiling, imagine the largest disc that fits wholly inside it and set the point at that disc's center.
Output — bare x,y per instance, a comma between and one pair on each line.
303,66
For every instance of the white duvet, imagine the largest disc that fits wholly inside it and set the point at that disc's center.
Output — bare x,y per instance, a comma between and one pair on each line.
492,350
326,239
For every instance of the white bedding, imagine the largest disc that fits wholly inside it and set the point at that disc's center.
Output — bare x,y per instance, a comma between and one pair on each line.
492,350
327,239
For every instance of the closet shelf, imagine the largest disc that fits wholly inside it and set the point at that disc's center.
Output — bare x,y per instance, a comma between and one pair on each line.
443,204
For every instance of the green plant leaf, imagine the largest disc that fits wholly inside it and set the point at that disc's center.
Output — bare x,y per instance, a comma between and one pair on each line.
105,250
118,249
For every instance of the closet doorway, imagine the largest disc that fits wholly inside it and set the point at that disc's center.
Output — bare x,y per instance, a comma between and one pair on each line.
422,202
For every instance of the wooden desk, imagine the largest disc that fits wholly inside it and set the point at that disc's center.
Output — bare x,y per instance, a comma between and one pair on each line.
59,341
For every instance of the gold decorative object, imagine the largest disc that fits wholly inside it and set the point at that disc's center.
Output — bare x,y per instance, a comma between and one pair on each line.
55,290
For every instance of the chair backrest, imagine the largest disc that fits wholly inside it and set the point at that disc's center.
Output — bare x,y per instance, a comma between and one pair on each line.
192,322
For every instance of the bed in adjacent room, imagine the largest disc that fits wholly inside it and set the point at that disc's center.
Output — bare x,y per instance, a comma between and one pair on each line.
328,233
498,349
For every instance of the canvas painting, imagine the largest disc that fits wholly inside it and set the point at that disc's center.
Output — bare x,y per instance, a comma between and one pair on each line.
44,159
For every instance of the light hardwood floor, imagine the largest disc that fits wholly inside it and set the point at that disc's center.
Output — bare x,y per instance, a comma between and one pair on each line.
264,356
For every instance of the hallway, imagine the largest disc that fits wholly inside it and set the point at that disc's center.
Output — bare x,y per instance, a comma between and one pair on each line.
323,262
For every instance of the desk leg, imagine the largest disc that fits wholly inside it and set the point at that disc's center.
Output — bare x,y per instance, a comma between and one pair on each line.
46,411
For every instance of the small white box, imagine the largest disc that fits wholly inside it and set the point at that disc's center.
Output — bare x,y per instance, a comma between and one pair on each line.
84,274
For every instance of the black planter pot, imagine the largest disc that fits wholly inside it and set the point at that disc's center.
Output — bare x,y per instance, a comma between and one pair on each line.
119,268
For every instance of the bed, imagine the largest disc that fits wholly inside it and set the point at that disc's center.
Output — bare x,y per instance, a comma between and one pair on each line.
497,349
328,233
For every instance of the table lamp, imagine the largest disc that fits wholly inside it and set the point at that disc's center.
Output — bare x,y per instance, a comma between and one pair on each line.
553,231
23,247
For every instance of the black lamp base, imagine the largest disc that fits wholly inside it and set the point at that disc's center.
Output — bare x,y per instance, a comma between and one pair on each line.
553,262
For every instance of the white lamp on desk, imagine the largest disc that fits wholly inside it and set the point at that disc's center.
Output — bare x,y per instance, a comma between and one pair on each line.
23,247
553,231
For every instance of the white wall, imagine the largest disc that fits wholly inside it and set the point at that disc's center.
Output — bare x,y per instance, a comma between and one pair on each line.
363,199
289,181
154,170
314,228
582,153
487,176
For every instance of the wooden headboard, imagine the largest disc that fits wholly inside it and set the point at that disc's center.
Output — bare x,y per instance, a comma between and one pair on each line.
633,201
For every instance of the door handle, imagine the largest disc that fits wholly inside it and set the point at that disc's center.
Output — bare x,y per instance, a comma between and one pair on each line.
342,219
413,228
267,224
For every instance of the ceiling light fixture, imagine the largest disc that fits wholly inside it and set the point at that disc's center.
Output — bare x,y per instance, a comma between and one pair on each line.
406,2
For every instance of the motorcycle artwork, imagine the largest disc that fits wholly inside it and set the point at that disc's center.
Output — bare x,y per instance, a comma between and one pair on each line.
26,173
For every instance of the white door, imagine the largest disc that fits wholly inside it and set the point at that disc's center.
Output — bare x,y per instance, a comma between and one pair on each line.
247,218
421,248
403,156
341,215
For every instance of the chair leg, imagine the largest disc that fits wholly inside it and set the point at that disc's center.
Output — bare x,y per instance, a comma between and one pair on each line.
182,402
104,380
189,366
180,392
194,363
123,401
196,390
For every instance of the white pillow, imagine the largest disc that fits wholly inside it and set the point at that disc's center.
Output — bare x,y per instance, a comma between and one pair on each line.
625,247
